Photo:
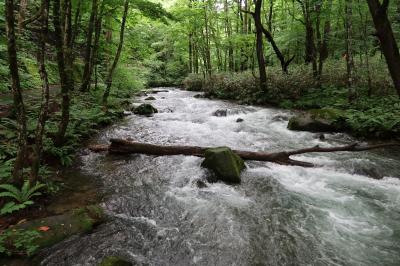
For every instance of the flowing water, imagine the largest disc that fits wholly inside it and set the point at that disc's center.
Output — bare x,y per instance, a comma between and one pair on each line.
334,214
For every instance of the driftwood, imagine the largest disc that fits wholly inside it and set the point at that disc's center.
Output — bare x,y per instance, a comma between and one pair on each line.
120,146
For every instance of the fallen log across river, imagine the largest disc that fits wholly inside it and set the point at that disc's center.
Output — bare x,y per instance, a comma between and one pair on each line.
121,146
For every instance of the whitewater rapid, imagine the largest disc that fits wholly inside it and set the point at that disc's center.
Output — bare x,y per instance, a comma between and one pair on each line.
333,214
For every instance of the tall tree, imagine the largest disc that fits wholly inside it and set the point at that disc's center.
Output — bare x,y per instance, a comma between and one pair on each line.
87,73
311,51
19,106
349,44
386,37
65,77
323,44
44,107
259,44
117,55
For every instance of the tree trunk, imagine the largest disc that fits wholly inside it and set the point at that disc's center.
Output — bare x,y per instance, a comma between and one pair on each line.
385,35
17,172
68,43
119,146
207,48
349,45
323,47
97,34
21,14
65,79
259,45
43,113
118,54
89,49
278,53
310,56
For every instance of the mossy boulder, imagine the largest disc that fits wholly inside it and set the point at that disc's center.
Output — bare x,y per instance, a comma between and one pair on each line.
114,261
52,230
224,163
145,109
318,120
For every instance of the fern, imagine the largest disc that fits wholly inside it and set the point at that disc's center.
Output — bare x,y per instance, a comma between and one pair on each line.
22,196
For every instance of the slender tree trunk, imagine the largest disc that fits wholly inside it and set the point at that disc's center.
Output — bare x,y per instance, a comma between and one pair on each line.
284,63
385,35
89,48
190,46
310,48
323,47
207,48
75,29
23,4
349,46
195,57
364,46
259,45
68,43
65,79
44,107
190,52
17,172
228,26
118,54
97,34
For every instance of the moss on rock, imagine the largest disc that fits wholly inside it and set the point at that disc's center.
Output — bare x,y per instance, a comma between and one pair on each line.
145,109
114,261
54,229
224,163
318,120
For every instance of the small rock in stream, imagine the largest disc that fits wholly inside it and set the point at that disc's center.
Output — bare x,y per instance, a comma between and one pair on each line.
151,98
220,113
145,109
201,184
239,120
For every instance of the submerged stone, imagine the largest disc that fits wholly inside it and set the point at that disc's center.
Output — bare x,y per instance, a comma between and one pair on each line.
114,261
220,113
201,184
145,109
224,163
199,96
318,120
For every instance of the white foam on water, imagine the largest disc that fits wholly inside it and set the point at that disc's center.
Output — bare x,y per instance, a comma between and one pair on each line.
352,219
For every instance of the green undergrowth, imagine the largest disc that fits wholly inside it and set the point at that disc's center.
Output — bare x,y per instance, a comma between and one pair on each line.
376,116
87,116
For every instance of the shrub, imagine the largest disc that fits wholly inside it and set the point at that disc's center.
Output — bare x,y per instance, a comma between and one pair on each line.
193,82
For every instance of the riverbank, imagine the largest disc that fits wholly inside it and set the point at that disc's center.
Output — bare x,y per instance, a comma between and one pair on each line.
64,189
375,116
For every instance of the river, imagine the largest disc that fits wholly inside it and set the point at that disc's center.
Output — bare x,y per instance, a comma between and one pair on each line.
333,214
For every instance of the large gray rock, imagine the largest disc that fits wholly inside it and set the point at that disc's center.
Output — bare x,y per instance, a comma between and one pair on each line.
224,163
322,120
145,109
220,113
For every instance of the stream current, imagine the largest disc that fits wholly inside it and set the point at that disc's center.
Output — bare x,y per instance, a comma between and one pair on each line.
333,214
